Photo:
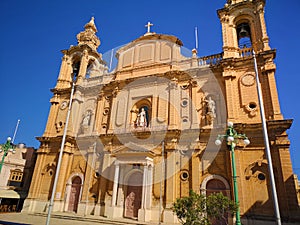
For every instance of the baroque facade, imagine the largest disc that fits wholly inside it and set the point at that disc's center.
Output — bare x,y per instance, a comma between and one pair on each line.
143,134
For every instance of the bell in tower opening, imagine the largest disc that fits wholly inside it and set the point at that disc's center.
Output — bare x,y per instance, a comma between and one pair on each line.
244,35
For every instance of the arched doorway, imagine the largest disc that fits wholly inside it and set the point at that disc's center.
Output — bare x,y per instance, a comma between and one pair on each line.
74,194
217,186
133,195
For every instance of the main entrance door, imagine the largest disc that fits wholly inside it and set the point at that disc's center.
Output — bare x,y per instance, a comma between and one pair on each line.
74,194
133,195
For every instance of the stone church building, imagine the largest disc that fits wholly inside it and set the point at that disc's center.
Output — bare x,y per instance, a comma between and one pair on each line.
141,135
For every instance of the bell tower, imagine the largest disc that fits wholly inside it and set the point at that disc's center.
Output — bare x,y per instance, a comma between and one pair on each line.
76,59
244,30
243,27
79,63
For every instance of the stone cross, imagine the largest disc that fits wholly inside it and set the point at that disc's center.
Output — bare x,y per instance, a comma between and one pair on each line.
148,26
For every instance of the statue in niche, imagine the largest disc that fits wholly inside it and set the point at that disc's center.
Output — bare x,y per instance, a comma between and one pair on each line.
86,119
210,113
141,120
129,203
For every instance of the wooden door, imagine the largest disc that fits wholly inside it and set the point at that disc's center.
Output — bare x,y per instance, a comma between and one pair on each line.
133,195
216,186
74,194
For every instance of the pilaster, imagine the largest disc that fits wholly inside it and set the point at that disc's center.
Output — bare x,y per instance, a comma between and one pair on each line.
61,184
173,101
64,78
83,67
231,99
50,126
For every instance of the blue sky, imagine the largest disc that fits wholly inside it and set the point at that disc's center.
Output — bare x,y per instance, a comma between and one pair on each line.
33,33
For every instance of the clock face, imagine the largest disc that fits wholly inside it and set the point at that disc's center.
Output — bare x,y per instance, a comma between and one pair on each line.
63,105
248,80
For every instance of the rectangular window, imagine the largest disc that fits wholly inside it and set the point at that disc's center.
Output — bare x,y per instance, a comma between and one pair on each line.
15,178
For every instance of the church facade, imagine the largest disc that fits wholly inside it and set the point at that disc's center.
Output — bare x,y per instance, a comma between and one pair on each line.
143,134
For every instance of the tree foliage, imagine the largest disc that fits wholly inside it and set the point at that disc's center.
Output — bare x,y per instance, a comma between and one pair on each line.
197,209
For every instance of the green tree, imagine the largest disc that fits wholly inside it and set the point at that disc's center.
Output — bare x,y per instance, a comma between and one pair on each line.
197,209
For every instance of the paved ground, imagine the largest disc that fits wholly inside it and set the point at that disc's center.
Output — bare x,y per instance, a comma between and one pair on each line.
60,219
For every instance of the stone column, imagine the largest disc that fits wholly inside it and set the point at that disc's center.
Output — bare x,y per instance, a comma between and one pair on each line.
144,192
144,213
149,187
116,182
120,195
115,211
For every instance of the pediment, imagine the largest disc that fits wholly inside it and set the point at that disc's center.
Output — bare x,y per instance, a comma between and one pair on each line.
133,149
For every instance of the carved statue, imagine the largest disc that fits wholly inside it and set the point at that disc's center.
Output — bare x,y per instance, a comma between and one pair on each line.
210,107
141,120
210,110
86,119
130,204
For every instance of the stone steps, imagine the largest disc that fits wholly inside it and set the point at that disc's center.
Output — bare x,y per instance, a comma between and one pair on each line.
93,219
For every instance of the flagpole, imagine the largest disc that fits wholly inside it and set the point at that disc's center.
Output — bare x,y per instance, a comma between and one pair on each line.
196,38
17,126
266,139
60,156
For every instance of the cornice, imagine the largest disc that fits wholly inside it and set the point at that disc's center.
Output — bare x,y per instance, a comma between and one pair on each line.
245,4
81,48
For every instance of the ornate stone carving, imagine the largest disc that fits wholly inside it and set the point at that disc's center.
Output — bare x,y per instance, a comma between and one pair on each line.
248,80
88,36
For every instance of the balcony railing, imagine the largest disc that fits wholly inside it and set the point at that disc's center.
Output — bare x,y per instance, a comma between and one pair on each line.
210,60
245,52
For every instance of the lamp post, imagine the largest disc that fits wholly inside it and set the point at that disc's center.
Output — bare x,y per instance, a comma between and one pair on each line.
6,148
232,138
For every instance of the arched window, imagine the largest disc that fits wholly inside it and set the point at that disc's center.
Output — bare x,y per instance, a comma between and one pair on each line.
91,68
88,71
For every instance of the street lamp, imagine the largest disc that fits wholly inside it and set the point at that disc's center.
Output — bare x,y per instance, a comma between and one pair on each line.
232,138
6,148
